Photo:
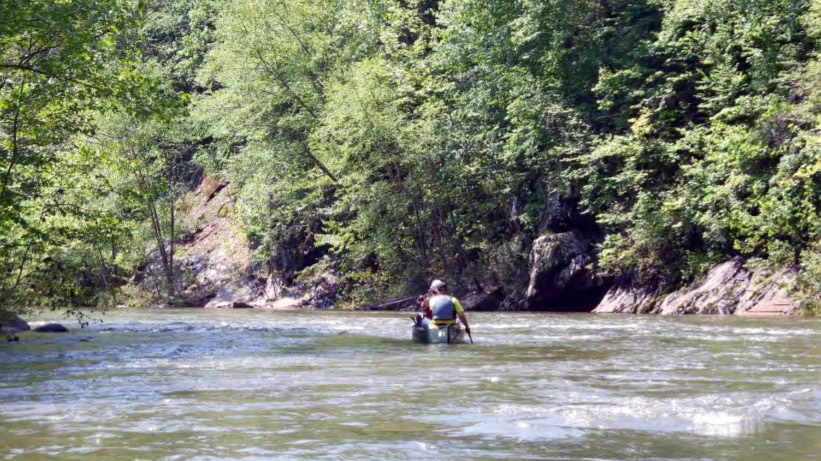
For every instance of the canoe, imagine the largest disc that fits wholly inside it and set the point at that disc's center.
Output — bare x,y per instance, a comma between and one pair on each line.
445,335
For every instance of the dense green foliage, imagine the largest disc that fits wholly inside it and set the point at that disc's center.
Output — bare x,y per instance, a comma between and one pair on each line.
393,141
75,87
60,62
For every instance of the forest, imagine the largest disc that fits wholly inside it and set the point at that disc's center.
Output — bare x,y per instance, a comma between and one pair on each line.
397,141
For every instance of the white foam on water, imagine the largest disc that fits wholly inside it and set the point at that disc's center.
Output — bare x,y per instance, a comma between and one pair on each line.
725,424
354,424
715,416
537,429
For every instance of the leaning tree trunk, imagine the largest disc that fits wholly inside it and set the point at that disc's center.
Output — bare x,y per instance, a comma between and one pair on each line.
156,230
168,268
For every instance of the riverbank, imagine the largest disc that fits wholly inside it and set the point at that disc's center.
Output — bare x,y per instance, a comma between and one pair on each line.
728,289
216,270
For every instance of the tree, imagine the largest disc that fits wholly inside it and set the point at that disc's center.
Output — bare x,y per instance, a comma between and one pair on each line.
59,62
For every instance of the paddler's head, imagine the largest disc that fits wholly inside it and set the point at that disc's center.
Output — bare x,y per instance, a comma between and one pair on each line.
438,287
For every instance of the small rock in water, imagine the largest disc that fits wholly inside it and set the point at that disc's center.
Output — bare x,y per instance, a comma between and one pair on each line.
51,328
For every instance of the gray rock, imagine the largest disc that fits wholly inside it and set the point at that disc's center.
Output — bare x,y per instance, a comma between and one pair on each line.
51,328
728,288
769,294
718,293
286,303
487,301
559,278
13,324
512,303
324,289
624,298
233,296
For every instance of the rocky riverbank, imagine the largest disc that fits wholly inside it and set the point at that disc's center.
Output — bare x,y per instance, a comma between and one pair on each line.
216,271
729,288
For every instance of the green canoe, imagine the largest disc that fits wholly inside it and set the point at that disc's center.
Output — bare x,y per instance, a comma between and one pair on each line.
444,335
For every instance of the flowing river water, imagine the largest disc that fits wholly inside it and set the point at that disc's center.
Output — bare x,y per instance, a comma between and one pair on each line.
249,384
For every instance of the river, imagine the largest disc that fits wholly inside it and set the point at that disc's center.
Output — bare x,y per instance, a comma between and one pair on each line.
250,384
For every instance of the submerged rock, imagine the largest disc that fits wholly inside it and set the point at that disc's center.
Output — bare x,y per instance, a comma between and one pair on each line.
51,328
559,278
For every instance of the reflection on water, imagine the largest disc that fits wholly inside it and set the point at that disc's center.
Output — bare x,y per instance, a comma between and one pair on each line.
183,384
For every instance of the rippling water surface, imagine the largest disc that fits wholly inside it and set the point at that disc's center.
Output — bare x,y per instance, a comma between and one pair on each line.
203,384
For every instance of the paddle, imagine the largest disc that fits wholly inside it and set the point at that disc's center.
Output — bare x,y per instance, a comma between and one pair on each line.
469,336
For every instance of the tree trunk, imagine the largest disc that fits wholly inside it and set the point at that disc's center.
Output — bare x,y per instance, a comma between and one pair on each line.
420,233
158,237
156,228
104,273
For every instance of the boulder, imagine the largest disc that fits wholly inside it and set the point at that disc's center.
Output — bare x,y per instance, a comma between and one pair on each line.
275,288
286,303
324,290
559,278
233,296
769,294
624,298
320,291
512,303
51,328
13,324
718,293
728,288
486,301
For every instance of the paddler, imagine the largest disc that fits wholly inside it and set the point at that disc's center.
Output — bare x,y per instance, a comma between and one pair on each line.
443,308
